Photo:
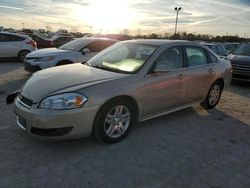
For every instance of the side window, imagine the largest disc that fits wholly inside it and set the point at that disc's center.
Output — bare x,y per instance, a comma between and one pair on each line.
220,49
196,56
143,52
213,58
214,48
106,44
6,38
169,60
95,46
16,38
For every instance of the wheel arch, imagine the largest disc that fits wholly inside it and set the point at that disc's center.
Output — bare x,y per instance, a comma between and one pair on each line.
221,81
129,98
64,62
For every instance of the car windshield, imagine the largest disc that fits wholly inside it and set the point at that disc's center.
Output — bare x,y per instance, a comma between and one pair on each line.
243,50
74,45
123,57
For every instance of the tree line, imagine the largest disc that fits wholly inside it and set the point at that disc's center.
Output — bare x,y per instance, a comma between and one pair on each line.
195,37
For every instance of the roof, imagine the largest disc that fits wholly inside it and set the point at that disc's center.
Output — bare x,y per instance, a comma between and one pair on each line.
209,44
157,42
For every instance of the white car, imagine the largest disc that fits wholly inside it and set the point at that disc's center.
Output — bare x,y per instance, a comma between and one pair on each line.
13,45
78,50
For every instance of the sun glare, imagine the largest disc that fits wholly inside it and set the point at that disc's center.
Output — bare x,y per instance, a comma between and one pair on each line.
106,16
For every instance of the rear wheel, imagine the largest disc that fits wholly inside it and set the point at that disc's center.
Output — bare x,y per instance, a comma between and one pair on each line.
213,96
22,55
114,121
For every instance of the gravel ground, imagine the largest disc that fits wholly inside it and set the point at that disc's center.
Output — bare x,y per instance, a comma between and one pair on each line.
190,148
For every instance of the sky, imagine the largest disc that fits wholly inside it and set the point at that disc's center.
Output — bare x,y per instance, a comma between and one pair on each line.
217,17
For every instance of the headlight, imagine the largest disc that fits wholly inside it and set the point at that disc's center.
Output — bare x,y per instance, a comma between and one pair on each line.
48,58
63,101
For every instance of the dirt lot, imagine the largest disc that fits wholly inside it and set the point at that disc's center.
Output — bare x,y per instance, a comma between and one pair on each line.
190,148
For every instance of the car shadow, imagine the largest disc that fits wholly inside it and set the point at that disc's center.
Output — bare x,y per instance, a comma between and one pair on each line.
6,67
11,86
201,145
192,123
240,88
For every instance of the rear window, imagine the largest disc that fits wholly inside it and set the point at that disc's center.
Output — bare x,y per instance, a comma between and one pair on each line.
196,56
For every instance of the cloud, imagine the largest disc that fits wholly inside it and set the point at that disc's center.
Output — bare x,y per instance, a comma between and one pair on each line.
213,16
10,7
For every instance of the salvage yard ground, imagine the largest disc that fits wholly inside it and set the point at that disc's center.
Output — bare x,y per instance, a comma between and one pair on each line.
190,148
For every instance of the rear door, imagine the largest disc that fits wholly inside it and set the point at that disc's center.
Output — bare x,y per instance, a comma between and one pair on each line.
200,74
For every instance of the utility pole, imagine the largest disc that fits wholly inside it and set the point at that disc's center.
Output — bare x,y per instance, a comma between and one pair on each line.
177,9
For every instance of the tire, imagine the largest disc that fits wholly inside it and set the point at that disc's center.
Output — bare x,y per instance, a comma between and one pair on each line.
21,55
111,123
63,63
213,96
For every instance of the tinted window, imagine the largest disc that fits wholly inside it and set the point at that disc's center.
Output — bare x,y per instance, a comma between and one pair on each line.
214,48
213,58
243,50
196,56
220,49
75,44
169,60
10,38
95,46
106,44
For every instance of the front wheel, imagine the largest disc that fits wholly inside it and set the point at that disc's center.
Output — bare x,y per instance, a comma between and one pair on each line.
213,96
114,121
22,55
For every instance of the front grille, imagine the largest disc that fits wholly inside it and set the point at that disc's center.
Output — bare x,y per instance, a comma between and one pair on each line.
241,67
51,132
27,58
25,101
31,68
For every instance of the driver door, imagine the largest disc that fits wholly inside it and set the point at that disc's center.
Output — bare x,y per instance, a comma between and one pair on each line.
164,85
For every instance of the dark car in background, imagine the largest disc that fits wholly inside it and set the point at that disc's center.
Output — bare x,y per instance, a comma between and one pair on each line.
231,46
42,42
59,40
219,49
240,60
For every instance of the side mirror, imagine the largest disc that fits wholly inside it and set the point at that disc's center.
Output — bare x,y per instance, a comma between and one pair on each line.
85,51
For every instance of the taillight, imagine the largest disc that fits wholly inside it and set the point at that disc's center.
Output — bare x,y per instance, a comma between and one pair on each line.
32,43
51,43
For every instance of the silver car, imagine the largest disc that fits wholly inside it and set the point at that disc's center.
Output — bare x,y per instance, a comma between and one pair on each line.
128,82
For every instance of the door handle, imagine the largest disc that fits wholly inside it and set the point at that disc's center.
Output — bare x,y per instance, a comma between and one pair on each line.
180,76
210,70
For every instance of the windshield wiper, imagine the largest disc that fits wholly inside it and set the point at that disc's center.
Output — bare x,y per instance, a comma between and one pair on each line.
110,69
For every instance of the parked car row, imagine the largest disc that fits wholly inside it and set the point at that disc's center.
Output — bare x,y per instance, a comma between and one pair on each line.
240,60
78,50
15,46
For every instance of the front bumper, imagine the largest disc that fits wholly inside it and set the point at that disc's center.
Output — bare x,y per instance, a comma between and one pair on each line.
55,124
31,68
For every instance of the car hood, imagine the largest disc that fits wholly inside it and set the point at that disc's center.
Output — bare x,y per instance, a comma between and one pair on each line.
47,52
53,80
240,59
